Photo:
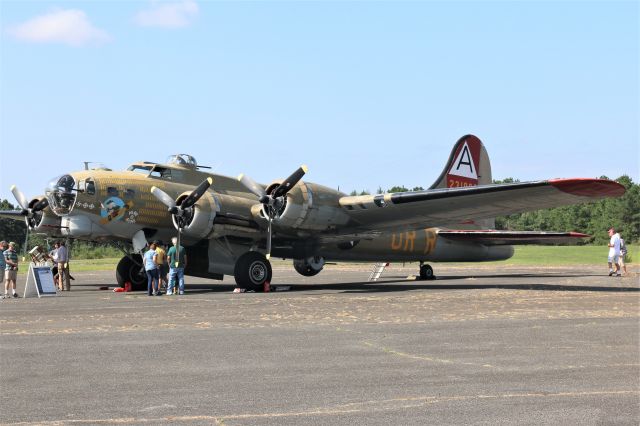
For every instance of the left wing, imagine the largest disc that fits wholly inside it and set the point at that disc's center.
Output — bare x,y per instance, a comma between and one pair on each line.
446,206
499,238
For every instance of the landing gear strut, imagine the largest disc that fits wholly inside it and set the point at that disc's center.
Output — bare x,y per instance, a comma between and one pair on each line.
426,272
130,269
252,270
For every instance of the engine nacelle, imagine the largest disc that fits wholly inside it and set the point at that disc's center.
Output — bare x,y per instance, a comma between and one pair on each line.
200,220
311,207
45,221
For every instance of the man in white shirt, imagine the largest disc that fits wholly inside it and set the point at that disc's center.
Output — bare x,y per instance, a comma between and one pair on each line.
614,252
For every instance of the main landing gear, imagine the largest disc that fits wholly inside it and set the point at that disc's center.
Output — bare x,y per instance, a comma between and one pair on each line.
130,269
426,272
252,270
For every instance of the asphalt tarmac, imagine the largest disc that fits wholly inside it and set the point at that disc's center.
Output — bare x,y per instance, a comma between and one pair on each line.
480,345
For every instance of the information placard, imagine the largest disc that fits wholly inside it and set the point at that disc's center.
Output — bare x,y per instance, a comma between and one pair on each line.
39,282
44,278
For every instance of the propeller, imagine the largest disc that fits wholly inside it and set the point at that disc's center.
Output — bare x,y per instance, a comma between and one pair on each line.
275,200
182,211
29,213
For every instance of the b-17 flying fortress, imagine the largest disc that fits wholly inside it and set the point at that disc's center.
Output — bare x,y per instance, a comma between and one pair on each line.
233,226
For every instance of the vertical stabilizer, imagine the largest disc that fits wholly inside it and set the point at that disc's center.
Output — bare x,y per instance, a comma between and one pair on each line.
468,165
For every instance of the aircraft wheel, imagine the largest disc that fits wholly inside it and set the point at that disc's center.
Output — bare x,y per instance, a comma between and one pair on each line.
303,267
131,270
252,270
426,273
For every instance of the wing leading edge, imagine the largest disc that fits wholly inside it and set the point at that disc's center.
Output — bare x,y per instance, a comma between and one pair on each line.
447,206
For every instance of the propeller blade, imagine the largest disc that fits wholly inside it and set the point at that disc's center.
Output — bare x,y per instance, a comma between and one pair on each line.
269,239
196,194
26,241
252,185
40,205
289,182
163,197
178,247
20,198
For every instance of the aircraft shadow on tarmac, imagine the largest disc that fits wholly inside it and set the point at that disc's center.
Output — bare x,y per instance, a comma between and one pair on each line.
403,285
400,284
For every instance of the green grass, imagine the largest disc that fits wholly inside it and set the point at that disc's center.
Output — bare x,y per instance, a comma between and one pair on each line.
566,255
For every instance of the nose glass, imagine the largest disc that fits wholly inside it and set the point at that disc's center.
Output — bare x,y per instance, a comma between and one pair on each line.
61,194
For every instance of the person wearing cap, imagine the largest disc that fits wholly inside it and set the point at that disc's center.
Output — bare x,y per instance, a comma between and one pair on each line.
177,259
10,270
161,261
614,252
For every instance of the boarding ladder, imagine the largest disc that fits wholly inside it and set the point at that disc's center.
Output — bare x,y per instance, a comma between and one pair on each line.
378,269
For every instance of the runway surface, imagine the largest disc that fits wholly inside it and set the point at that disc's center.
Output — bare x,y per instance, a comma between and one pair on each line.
480,345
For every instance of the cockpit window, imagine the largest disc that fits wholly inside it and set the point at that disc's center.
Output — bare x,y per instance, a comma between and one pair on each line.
90,187
162,173
61,194
140,169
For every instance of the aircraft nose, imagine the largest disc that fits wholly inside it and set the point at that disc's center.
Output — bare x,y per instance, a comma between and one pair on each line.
61,194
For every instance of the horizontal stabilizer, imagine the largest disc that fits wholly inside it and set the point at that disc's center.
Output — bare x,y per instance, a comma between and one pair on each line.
498,238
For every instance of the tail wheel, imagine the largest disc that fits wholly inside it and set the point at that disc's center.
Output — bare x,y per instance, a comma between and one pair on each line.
252,270
130,269
426,273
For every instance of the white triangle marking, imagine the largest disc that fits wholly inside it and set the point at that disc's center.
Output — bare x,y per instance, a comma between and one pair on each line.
463,165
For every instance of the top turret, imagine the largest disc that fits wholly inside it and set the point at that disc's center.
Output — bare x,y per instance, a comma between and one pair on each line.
182,160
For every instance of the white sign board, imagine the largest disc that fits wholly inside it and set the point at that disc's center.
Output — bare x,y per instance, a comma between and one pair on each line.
39,282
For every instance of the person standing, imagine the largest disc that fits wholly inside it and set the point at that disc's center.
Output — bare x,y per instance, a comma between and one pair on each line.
10,270
614,252
623,253
61,259
177,259
151,267
3,264
161,260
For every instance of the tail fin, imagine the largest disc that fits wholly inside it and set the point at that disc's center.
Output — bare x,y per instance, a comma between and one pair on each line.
468,165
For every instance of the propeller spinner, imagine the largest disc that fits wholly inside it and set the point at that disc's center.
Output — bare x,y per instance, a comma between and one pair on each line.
275,200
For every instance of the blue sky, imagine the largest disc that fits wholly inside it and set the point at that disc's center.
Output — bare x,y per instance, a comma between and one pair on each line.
367,94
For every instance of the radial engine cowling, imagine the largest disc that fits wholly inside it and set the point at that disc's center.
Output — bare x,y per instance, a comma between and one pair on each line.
311,207
43,222
199,222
